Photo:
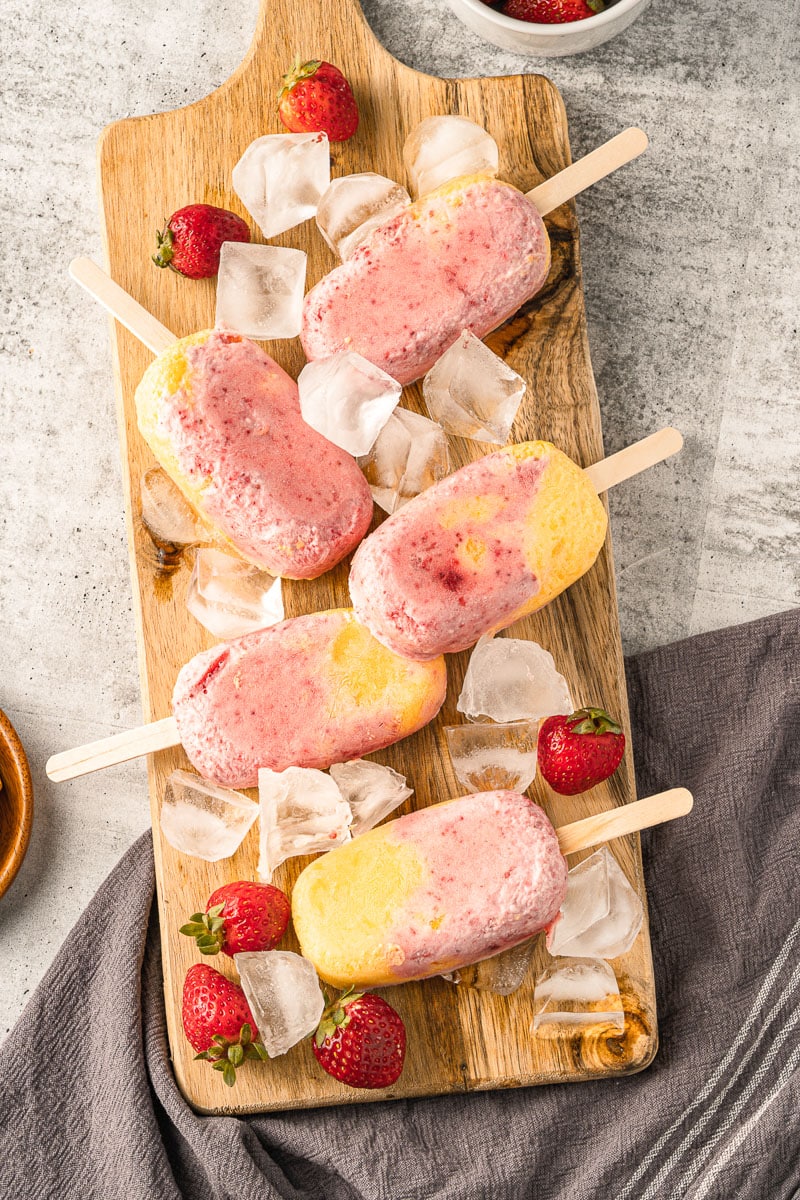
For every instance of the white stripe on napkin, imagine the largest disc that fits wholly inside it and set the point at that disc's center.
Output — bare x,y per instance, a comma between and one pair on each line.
735,1142
756,1013
755,1082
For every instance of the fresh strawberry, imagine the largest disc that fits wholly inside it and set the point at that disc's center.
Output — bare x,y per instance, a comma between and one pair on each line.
361,1040
577,752
552,12
191,239
218,1022
315,97
240,916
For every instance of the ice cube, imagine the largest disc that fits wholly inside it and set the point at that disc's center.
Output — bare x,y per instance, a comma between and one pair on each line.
575,992
442,148
168,515
487,757
260,290
601,914
371,789
409,455
284,995
281,177
302,812
511,679
354,205
230,597
472,393
347,399
202,819
502,973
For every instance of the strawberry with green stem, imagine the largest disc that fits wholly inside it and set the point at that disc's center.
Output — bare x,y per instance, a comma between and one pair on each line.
360,1040
217,1021
192,238
579,751
315,97
240,916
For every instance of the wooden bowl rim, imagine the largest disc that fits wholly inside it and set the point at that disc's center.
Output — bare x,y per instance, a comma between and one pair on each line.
16,850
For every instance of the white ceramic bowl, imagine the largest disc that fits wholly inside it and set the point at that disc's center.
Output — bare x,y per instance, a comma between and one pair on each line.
547,41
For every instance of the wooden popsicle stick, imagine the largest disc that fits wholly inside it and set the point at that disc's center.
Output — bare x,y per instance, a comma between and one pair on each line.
119,748
629,818
115,300
590,169
634,459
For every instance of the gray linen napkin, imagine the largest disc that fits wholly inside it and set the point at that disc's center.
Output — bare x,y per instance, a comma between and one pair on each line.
90,1109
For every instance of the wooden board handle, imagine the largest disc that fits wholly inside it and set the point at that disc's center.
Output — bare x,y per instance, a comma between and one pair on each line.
629,818
116,300
119,748
590,169
305,30
634,458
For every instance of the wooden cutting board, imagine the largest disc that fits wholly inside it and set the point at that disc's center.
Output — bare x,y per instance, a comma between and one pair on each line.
459,1038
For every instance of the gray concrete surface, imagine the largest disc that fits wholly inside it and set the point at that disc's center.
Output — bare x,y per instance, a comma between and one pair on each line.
690,265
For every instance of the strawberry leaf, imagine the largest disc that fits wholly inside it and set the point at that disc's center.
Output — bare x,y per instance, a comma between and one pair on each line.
236,1055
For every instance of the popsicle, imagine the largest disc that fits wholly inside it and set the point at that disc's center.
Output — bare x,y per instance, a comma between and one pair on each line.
489,544
311,691
223,420
447,886
466,256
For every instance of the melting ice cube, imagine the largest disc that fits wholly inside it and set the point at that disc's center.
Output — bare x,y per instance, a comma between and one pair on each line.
284,995
601,914
511,679
167,513
260,290
575,992
281,177
202,819
442,148
501,974
354,205
347,399
487,757
302,812
371,789
409,455
230,597
472,393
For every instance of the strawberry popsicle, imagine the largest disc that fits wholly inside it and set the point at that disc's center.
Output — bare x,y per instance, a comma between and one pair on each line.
492,542
223,419
308,692
466,256
431,891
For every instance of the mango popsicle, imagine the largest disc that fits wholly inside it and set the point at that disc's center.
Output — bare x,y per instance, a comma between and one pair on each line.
492,542
223,419
308,692
466,256
431,891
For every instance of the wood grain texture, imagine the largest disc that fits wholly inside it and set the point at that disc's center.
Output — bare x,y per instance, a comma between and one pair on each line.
150,166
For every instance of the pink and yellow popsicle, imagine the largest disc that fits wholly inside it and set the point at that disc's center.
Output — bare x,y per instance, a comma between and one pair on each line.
492,542
223,420
466,256
431,891
308,692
